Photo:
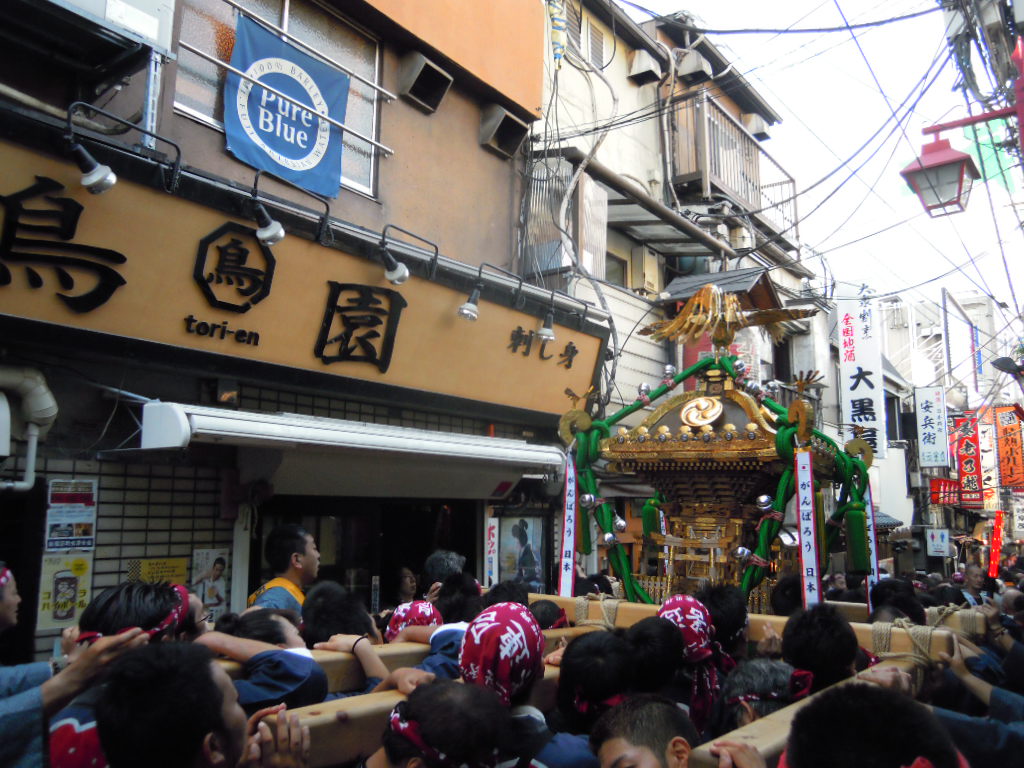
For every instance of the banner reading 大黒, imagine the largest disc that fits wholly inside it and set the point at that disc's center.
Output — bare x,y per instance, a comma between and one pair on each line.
272,134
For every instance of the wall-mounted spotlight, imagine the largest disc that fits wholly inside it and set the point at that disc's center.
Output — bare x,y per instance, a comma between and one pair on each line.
547,330
395,271
469,310
98,178
270,232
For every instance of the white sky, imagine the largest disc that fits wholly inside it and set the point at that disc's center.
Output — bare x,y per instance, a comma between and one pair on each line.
830,105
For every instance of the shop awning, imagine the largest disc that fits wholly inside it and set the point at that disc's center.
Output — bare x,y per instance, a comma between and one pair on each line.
315,455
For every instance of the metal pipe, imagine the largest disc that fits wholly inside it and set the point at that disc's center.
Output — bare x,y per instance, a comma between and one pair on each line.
605,174
28,479
281,95
151,105
39,410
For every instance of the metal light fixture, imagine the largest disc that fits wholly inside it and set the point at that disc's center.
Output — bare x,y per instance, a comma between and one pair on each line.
610,539
941,178
396,272
547,331
96,178
619,524
1010,366
323,231
469,310
270,232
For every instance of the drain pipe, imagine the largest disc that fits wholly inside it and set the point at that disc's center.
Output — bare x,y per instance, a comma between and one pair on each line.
38,409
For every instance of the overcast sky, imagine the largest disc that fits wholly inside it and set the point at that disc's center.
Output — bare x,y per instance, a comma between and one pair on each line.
830,105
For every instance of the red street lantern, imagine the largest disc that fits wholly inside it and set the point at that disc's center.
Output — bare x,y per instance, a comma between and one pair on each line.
941,178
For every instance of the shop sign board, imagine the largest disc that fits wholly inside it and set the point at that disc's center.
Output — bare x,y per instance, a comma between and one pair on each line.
860,372
964,441
932,441
71,515
989,458
178,274
567,556
1009,446
937,542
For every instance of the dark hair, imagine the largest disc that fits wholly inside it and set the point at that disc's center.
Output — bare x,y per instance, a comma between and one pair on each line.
283,542
257,625
507,592
330,609
728,607
135,604
464,722
154,688
459,598
595,667
948,595
765,679
644,721
441,564
821,641
603,584
858,724
585,586
658,649
787,595
886,613
520,534
546,612
886,589
221,561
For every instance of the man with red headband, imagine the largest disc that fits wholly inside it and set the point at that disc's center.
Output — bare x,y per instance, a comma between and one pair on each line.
30,693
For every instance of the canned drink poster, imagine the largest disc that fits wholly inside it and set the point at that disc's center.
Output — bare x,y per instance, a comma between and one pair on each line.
65,588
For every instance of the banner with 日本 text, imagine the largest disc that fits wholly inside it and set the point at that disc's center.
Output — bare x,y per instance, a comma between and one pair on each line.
567,564
860,372
807,528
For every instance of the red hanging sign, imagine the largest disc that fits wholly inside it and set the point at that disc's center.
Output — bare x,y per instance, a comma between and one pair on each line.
944,491
995,552
1009,442
968,461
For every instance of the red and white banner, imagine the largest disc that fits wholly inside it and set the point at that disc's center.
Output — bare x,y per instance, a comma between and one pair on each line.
807,526
995,553
1010,448
943,491
567,567
491,552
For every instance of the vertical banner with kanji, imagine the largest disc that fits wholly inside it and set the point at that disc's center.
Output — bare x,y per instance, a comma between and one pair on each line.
932,441
989,458
995,552
968,460
1009,440
860,372
491,552
807,528
869,515
567,566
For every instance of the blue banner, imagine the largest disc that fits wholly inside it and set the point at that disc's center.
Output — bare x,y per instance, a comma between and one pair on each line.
269,133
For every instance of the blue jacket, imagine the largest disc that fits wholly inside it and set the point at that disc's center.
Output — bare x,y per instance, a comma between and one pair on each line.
22,723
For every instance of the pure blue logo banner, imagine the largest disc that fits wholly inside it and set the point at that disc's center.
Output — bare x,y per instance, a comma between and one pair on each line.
269,133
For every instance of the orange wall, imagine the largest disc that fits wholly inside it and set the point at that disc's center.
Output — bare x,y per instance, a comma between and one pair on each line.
499,41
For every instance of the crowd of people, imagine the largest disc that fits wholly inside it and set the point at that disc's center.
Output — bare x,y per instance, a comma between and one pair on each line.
140,682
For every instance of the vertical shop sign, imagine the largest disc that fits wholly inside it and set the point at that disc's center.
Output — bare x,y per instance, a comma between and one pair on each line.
567,565
932,441
968,460
989,458
1009,442
860,373
808,528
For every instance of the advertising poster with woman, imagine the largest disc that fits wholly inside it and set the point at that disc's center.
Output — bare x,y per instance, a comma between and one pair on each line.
209,580
522,551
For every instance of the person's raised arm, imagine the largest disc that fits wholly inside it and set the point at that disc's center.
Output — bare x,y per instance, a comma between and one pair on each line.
958,665
239,649
415,635
360,647
88,664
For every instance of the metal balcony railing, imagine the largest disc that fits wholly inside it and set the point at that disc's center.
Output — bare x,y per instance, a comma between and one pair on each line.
714,149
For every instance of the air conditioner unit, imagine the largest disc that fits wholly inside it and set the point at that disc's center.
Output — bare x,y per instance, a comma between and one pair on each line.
96,41
646,270
756,124
692,68
644,68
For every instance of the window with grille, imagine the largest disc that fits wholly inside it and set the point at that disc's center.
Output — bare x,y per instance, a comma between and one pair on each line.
210,27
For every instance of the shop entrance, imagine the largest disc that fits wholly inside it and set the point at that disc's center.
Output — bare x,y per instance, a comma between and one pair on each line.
360,538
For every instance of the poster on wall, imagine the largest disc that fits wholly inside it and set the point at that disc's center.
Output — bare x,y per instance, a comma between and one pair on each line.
155,569
521,552
65,588
491,552
209,580
71,515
